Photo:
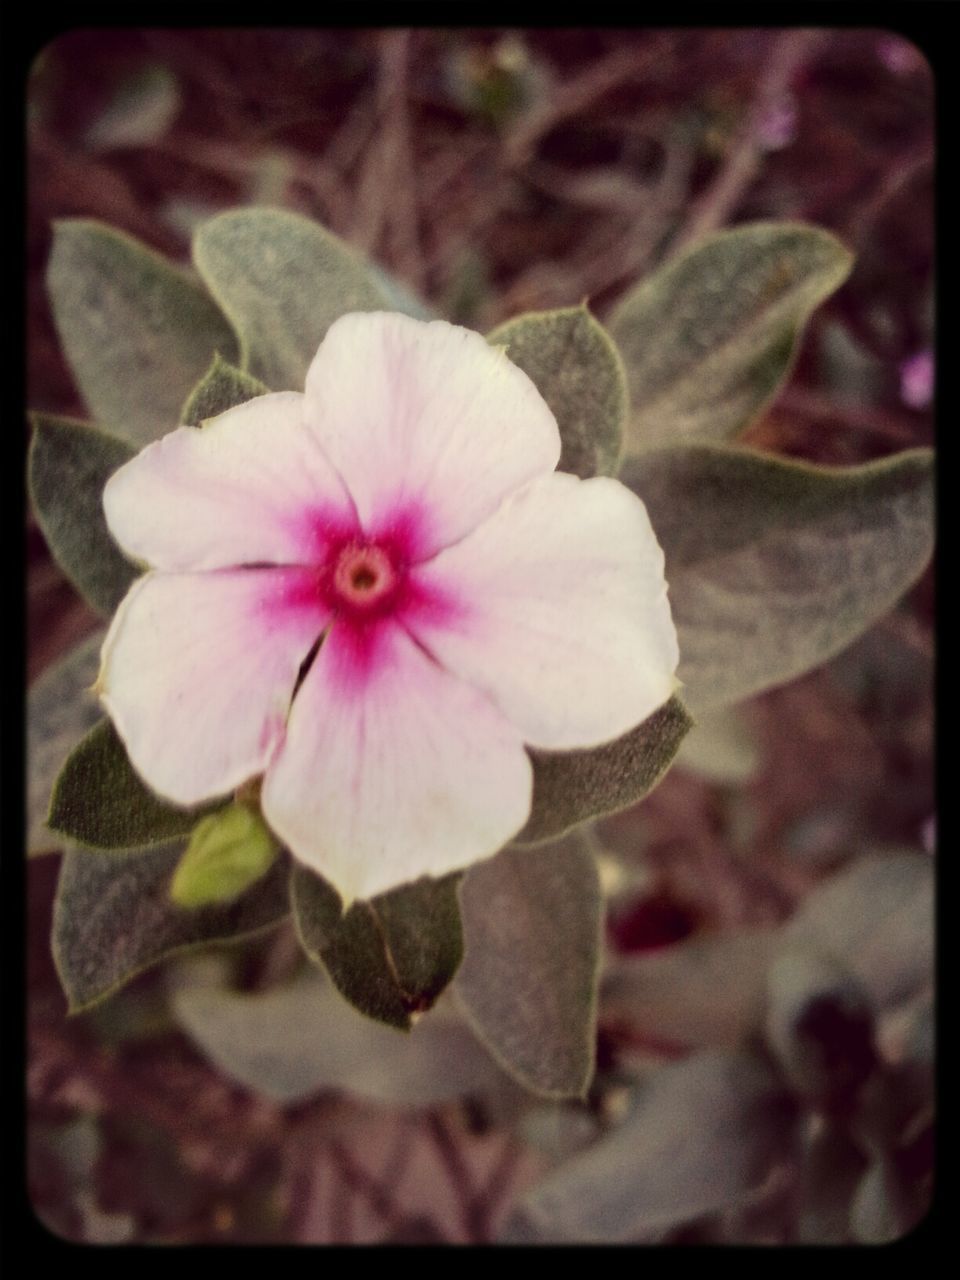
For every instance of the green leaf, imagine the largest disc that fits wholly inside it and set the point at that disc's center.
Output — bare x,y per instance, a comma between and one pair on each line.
138,332
876,918
886,1204
775,566
571,786
578,371
697,994
701,1136
221,388
100,802
228,851
141,110
720,748
69,464
290,1042
709,338
60,709
282,280
396,295
113,918
528,983
390,957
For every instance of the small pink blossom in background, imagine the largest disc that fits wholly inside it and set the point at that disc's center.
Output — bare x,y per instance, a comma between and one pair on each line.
899,55
916,380
777,127
928,834
404,514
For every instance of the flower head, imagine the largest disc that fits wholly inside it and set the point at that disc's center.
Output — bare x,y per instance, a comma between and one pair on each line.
374,594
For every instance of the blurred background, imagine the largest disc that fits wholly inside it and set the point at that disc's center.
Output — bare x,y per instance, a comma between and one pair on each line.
497,171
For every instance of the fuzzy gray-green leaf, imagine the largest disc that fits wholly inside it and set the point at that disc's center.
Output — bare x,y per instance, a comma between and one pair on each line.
709,338
99,800
282,280
69,464
221,388
775,566
392,956
138,331
528,982
702,1134
877,918
578,371
291,1042
571,786
61,708
113,918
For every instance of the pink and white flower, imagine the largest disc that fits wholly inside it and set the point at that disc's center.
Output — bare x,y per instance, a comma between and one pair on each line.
404,514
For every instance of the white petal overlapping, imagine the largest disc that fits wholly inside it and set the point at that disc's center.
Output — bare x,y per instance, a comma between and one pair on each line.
393,769
559,611
425,418
197,673
250,487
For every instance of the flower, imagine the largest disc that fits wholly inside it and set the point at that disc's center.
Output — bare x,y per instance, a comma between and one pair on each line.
374,594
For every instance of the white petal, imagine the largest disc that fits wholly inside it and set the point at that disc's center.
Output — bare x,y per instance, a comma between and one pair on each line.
198,671
250,487
426,423
557,608
392,769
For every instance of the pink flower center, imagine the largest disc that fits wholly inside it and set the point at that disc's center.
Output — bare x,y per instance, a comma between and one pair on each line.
364,575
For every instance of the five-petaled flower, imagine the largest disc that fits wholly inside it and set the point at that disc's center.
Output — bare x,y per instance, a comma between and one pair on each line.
374,594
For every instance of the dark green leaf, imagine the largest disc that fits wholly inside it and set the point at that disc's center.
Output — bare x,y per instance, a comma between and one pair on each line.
578,371
701,1136
701,993
113,918
571,786
775,566
228,851
100,802
221,388
390,957
709,338
876,917
282,280
528,982
138,332
70,462
290,1042
60,709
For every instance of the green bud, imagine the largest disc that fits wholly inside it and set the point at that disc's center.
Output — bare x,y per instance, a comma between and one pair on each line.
228,851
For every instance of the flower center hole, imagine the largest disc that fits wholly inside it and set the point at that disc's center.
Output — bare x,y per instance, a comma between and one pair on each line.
364,575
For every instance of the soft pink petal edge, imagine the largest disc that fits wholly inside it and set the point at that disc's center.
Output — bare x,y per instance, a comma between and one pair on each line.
249,487
558,610
197,672
393,769
425,418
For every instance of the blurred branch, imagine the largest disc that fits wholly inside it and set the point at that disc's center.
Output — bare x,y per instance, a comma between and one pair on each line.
860,417
575,96
386,198
474,1220
744,158
896,179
